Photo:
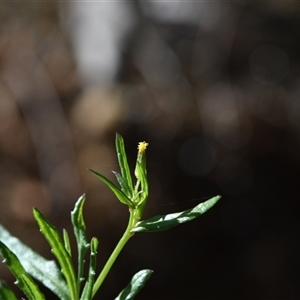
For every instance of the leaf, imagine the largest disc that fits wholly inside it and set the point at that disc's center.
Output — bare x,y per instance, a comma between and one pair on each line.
67,242
24,281
80,235
123,183
46,271
88,288
119,194
58,249
6,292
164,222
122,158
78,221
32,287
135,285
141,174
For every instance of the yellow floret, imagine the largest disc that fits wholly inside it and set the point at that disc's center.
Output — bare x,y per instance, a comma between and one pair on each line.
142,146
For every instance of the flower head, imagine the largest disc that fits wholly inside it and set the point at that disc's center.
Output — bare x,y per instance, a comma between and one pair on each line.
142,146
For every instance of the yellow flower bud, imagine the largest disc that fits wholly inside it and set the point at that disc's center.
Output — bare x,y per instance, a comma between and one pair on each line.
142,146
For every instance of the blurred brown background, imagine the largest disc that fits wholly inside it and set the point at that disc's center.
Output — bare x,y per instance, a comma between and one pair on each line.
213,87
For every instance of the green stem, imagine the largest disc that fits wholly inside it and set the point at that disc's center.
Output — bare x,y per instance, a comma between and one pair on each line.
122,242
80,267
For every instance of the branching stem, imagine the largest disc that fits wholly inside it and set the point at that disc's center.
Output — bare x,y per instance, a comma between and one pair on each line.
122,242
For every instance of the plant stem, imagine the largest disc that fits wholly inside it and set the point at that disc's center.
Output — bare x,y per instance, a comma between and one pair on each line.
122,242
80,267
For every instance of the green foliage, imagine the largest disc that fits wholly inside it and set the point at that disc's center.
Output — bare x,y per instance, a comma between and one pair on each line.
24,281
123,164
60,252
80,235
118,193
160,223
88,288
134,286
25,264
43,270
6,292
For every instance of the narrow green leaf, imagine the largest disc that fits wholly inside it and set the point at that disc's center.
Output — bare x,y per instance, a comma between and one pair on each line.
58,249
10,259
32,287
80,235
142,176
123,183
78,220
135,285
122,158
87,293
67,242
119,194
6,292
160,223
46,271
